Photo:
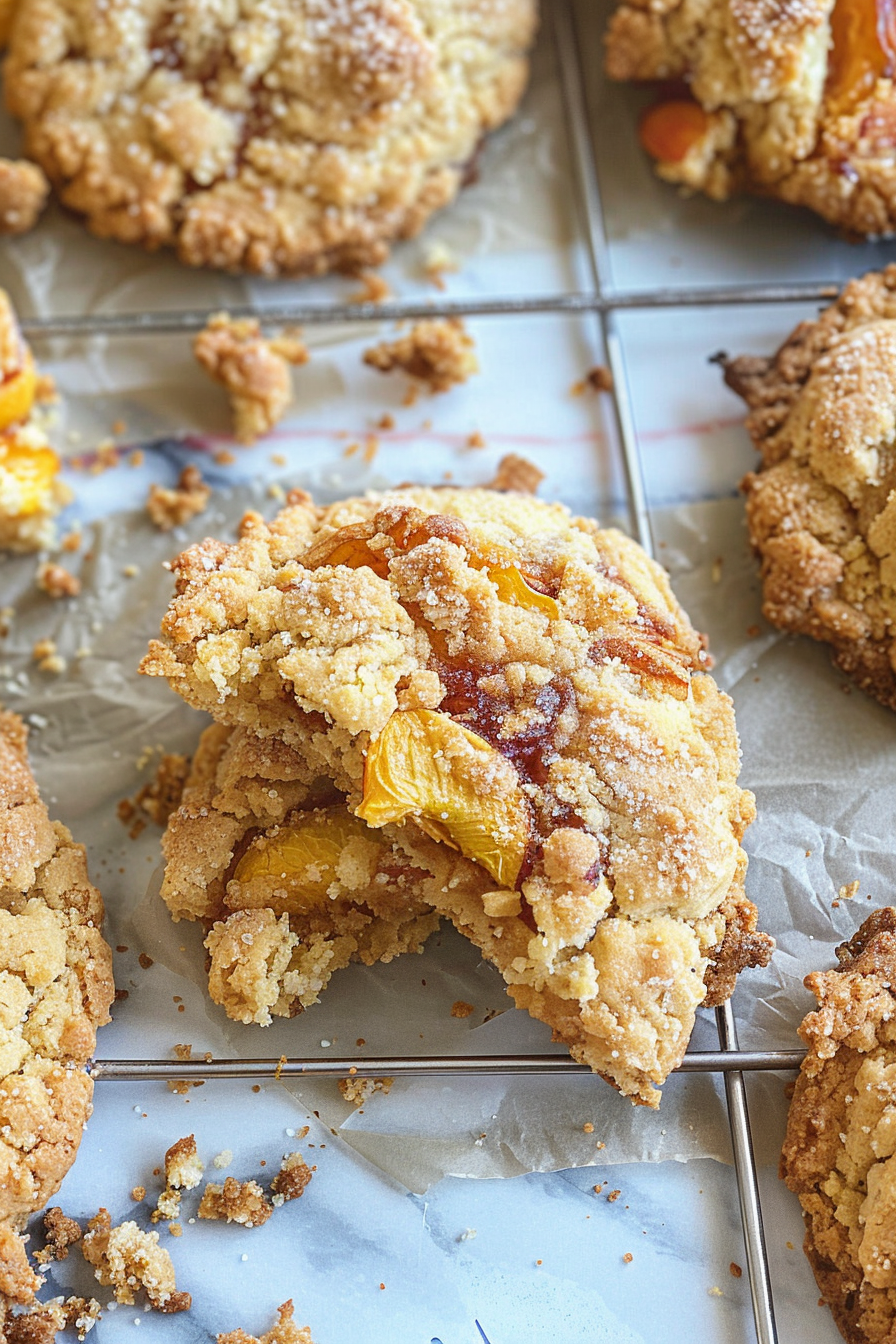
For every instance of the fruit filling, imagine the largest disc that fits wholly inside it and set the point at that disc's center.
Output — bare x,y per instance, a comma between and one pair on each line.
31,470
670,130
302,858
863,50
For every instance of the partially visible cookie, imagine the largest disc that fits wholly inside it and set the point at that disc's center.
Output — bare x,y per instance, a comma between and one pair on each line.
288,885
839,1152
822,509
786,98
291,137
55,987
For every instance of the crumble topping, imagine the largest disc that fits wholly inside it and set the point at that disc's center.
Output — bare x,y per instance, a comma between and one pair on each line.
438,352
253,369
169,508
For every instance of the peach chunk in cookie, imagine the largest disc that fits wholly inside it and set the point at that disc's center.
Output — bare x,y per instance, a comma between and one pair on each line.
288,884
821,509
786,98
519,696
55,989
30,491
838,1154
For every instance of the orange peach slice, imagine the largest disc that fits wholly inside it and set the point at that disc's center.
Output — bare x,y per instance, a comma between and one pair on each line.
17,393
302,858
32,468
670,130
458,788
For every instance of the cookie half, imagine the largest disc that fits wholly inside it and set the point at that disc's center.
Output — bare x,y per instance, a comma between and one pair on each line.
822,509
786,98
287,138
519,695
839,1153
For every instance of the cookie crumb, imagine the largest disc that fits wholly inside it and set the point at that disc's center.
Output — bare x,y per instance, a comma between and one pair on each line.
56,581
235,1202
627,1258
183,1052
254,370
138,1194
284,1331
61,1233
461,1009
293,1177
437,352
516,473
848,892
735,1270
374,289
125,1258
172,508
156,800
358,1090
613,1196
222,1159
23,194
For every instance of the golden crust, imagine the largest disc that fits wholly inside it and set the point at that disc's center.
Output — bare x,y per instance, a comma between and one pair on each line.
822,510
780,120
539,675
55,987
290,139
272,954
839,1145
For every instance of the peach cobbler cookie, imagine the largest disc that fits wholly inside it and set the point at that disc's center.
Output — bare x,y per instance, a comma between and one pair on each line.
822,510
55,988
285,138
787,98
515,697
841,1139
288,884
31,493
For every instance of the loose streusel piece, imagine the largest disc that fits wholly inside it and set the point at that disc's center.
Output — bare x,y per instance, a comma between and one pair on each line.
358,1090
292,1178
291,140
172,508
235,1202
822,508
254,369
56,581
517,473
23,194
793,99
160,797
838,1154
438,351
513,698
61,1233
126,1259
283,1331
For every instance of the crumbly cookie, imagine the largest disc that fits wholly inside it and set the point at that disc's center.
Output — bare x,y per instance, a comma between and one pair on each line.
31,493
288,885
286,138
786,98
839,1148
55,987
520,696
822,510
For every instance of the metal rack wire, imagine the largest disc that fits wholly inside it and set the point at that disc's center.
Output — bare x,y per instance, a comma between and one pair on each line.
605,303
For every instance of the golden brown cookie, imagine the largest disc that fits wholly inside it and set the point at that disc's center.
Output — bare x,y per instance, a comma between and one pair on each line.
841,1133
55,988
520,696
822,510
287,138
288,885
786,98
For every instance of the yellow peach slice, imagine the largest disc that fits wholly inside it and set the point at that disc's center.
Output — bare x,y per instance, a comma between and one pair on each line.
302,858
32,469
458,788
17,393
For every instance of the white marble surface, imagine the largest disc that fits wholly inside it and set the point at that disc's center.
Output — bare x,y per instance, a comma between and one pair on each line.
546,1261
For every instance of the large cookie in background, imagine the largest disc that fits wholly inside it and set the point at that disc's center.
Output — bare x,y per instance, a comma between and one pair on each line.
286,138
519,695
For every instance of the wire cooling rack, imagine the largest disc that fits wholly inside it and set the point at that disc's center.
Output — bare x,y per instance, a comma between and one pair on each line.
602,299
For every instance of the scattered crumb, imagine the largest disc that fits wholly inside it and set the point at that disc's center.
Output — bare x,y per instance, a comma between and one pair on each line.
475,440
183,1052
715,572
598,1188
236,1202
613,1196
517,473
627,1258
714,1292
224,457
371,448
223,1159
467,1235
82,1313
284,1331
61,1232
182,1086
848,892
461,1009
735,1270
56,581
72,541
588,1128
386,421
136,458
156,800
350,449
599,379
183,1168
125,1258
753,631
23,195
358,1090
47,659
145,960
438,352
293,1176
375,289
171,508
138,1194
131,571
175,1229
438,262
254,371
